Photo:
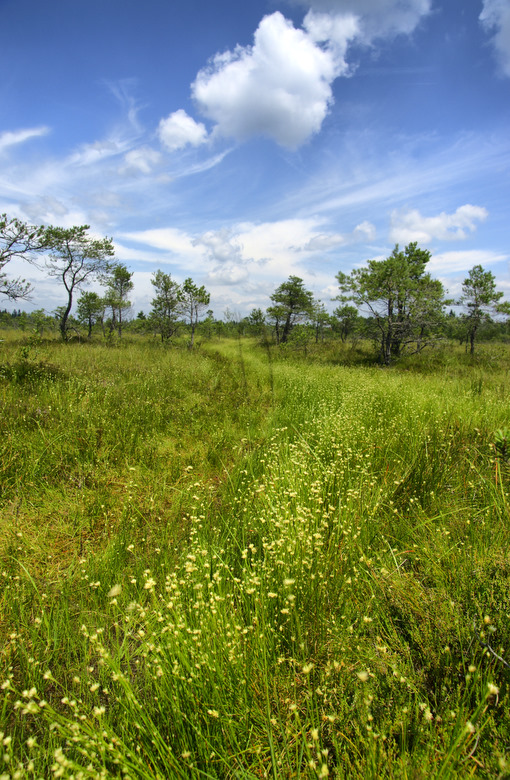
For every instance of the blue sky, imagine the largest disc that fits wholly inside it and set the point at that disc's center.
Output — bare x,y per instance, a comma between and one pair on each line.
241,142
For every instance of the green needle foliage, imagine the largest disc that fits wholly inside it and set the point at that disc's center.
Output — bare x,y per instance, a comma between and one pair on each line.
118,284
194,301
291,304
481,298
165,305
405,303
90,309
21,241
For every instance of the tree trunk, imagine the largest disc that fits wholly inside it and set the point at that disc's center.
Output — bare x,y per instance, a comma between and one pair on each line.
65,317
472,336
386,343
286,329
386,351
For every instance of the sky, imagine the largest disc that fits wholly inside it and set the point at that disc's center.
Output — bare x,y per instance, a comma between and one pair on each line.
239,143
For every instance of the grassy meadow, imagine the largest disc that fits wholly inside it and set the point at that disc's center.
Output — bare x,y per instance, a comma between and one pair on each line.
241,563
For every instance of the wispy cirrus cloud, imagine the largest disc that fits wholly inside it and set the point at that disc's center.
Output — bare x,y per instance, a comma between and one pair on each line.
168,239
15,137
142,159
89,154
380,182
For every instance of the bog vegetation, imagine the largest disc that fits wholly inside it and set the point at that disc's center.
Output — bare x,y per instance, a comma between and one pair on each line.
251,560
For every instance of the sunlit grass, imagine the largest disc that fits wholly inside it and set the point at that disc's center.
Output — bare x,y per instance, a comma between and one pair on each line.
269,568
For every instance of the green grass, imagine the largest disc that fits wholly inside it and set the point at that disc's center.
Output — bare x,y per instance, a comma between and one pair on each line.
227,564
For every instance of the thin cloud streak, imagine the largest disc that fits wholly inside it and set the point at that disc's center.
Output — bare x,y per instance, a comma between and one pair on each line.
458,163
206,165
16,137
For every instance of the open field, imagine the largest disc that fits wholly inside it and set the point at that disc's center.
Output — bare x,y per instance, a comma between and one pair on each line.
225,564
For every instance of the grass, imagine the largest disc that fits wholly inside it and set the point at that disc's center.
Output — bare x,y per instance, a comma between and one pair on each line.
224,564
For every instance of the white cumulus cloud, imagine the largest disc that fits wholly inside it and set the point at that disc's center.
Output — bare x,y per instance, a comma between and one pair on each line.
413,226
365,231
220,245
338,31
228,274
461,262
179,130
495,18
322,242
279,88
226,252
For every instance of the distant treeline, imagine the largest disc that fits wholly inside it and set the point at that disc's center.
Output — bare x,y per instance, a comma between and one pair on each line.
347,327
394,302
